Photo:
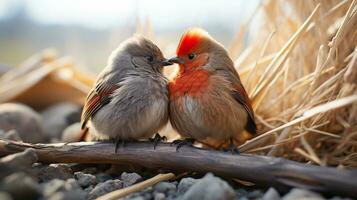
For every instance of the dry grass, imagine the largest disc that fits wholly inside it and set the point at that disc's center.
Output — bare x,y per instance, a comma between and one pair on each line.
301,73
300,70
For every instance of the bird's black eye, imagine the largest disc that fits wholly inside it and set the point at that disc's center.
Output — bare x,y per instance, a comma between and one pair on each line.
149,58
191,56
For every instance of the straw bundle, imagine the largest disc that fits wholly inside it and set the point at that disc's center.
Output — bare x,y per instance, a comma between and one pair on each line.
301,73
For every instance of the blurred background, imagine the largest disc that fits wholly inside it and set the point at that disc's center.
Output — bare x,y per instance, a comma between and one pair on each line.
89,31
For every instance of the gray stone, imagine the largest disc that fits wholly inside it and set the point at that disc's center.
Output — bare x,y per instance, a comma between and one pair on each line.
5,196
164,187
58,185
106,187
23,119
102,177
21,186
210,188
271,194
138,198
297,193
72,133
23,159
10,135
85,180
256,194
185,184
73,195
241,192
159,196
55,171
57,117
89,189
130,178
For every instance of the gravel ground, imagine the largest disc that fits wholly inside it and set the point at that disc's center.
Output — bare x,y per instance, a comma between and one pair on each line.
22,177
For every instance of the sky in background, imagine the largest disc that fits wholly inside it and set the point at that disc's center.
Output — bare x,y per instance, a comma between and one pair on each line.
110,13
88,30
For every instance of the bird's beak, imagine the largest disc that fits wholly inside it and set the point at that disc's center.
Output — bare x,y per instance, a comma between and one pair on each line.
176,60
166,62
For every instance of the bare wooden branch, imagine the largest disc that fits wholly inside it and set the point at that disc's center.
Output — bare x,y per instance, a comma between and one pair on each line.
261,170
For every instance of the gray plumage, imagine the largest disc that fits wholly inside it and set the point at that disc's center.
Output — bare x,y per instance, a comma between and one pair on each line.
130,97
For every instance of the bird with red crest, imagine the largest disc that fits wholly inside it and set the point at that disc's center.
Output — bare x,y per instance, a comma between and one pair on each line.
208,102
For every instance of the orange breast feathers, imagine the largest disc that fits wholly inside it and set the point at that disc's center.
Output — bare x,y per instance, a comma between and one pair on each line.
191,83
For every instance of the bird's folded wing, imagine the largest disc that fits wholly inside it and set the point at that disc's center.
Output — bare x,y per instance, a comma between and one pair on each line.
241,96
96,99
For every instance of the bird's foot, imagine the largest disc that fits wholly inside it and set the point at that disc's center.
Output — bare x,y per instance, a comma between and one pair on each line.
122,142
181,143
157,138
232,148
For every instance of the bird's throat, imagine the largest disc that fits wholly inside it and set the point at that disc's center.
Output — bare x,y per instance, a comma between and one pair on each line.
191,83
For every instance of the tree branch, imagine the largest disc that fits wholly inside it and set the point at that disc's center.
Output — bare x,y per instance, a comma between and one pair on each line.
261,170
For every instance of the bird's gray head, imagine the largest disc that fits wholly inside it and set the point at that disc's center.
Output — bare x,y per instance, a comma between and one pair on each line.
141,54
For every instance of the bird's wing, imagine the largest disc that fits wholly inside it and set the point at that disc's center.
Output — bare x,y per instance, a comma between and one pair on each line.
96,99
241,96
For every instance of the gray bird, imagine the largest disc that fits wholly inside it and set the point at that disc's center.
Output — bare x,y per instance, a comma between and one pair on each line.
129,99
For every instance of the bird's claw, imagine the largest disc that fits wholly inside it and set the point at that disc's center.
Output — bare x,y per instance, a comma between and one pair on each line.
157,138
181,143
232,148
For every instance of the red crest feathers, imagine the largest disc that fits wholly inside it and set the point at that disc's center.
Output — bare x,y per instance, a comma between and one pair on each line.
190,39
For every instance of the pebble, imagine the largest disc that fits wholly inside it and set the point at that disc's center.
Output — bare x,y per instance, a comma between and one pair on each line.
159,196
58,116
55,171
23,159
185,184
130,178
210,188
58,185
21,186
271,194
102,177
23,119
74,195
297,193
106,187
164,187
72,133
85,180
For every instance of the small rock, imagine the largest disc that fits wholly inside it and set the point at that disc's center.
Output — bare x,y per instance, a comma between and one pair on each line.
130,178
57,185
74,195
159,196
297,193
185,184
58,117
72,133
88,189
256,194
53,171
25,158
23,119
10,135
164,187
5,196
85,180
241,192
102,177
138,198
271,194
21,186
210,188
106,187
